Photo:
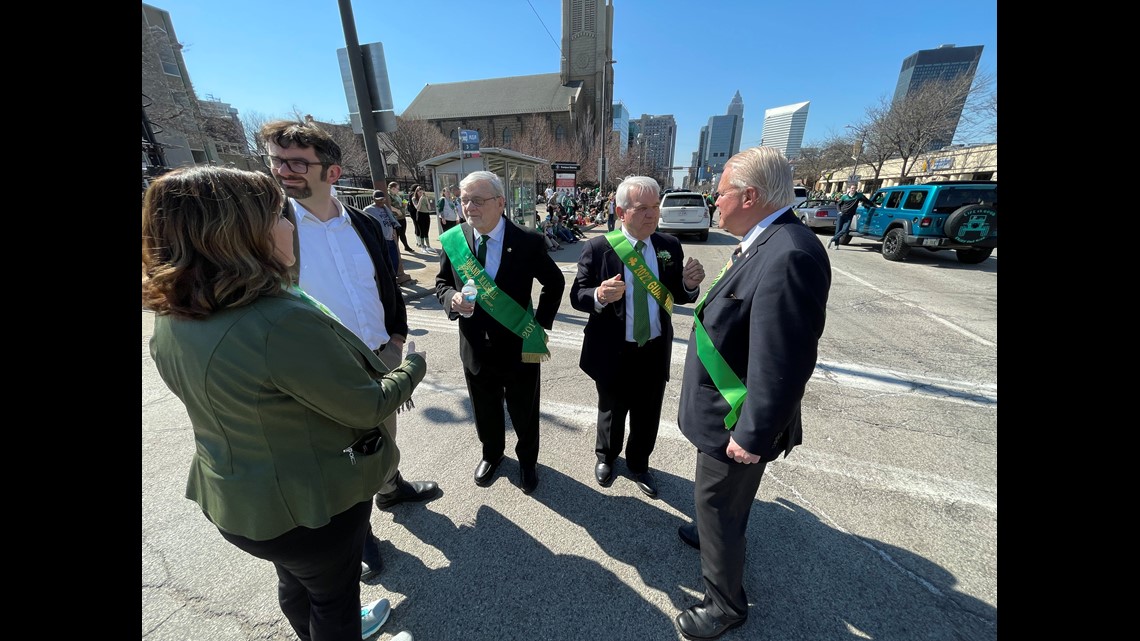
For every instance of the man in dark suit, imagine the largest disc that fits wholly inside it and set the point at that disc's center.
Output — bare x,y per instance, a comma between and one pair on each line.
501,341
751,353
343,261
629,370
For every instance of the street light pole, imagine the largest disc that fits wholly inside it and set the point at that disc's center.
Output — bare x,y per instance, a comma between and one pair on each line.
607,124
363,101
858,150
640,152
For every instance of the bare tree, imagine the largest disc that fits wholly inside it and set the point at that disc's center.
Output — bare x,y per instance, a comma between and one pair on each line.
252,122
877,148
818,157
535,138
979,112
928,115
414,141
353,155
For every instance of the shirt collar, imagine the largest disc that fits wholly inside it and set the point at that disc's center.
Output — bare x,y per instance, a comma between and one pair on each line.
496,233
305,213
754,233
633,241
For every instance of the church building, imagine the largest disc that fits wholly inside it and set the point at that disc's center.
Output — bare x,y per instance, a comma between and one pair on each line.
571,102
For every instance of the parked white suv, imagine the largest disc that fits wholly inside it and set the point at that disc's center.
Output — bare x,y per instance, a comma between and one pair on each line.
684,212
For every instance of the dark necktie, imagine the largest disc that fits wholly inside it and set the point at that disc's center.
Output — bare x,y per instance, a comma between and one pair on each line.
482,255
640,307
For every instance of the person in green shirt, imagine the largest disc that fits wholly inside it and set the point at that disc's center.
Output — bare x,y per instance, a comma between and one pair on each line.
848,202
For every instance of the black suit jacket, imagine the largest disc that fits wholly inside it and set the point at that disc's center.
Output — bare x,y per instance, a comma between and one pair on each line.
482,339
370,232
765,316
605,330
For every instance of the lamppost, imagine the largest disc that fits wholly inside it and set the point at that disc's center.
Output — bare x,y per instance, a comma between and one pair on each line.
607,125
640,152
856,150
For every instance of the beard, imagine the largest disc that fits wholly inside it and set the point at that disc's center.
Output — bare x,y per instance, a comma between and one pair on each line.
300,193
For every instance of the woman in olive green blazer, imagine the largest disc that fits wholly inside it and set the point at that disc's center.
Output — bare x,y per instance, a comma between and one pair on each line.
277,390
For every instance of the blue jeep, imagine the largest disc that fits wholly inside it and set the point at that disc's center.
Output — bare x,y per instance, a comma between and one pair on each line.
953,214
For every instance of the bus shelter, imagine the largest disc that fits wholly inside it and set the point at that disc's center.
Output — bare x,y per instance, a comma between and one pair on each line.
516,171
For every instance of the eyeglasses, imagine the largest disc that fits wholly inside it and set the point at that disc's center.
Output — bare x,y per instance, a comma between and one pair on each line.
295,165
478,202
641,209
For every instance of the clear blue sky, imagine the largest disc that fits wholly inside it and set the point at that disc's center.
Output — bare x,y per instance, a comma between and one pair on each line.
676,57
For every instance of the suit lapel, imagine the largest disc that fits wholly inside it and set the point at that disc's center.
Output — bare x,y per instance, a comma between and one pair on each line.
615,267
505,257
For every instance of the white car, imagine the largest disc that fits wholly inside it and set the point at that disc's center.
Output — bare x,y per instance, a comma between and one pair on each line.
801,196
684,212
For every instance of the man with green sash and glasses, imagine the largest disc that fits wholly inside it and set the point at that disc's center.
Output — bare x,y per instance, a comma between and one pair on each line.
502,337
752,350
628,281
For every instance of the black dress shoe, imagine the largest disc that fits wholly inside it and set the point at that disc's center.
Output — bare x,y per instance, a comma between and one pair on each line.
604,472
405,491
689,535
368,571
704,622
485,472
529,478
646,483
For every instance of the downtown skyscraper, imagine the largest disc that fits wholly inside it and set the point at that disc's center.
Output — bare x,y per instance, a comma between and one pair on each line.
720,139
946,63
784,128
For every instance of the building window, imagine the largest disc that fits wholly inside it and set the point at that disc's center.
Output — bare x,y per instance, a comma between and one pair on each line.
559,134
506,136
180,98
165,51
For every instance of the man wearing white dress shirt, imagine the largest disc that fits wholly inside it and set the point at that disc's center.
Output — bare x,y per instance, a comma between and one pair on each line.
343,261
627,281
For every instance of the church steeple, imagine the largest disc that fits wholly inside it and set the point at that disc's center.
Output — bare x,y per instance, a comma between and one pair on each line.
587,46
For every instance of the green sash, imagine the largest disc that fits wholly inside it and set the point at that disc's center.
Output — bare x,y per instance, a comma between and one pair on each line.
725,380
636,263
503,309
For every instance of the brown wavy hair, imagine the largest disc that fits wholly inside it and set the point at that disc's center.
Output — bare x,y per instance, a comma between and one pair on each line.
207,240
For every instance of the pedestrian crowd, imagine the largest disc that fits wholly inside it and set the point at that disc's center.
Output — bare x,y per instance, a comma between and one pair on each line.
281,327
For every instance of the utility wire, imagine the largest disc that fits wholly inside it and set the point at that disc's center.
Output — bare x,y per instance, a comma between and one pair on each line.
556,45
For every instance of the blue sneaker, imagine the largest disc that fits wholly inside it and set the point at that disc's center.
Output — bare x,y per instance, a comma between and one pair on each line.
373,616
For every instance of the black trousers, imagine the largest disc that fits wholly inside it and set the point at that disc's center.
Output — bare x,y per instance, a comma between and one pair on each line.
723,493
445,225
639,396
517,384
423,224
318,574
402,232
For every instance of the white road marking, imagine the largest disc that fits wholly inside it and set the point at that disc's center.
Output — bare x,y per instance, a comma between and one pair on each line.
976,393
938,319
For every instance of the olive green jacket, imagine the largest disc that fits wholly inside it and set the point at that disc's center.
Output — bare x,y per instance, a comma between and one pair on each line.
276,391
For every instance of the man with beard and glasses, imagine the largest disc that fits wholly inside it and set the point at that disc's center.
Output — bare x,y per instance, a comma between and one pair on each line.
343,261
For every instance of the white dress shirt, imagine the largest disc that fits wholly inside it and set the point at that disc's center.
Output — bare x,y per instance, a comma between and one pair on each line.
627,277
757,229
494,247
337,270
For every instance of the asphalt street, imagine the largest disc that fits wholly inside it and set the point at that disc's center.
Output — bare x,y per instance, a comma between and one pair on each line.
881,526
